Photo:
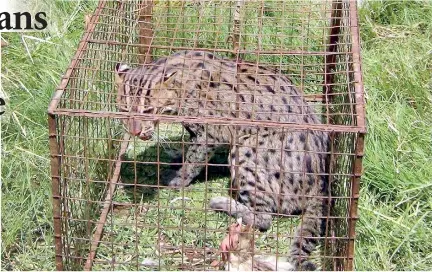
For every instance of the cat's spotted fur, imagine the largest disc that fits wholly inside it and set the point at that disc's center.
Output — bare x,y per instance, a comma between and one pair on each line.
273,170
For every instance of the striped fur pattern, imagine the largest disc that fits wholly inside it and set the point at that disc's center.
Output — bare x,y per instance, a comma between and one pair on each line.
272,171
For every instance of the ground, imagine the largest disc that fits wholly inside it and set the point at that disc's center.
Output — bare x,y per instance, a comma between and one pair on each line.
396,191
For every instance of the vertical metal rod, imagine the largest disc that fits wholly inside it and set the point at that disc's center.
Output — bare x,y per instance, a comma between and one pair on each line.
359,149
236,28
330,59
145,31
329,245
355,189
106,204
55,176
358,85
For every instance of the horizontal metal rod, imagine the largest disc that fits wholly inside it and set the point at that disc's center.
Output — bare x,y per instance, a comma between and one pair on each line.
240,51
207,120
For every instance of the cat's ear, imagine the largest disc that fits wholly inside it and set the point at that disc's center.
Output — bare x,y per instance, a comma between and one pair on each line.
120,72
169,78
121,69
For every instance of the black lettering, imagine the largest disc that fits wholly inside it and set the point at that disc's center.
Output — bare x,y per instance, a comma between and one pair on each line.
41,20
5,21
28,20
2,103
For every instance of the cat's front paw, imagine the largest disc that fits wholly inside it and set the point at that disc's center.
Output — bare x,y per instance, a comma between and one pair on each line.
177,181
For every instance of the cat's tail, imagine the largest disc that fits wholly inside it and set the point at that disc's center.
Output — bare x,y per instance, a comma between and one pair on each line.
307,235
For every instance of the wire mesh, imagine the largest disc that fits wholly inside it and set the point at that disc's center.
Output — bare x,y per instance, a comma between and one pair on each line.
113,209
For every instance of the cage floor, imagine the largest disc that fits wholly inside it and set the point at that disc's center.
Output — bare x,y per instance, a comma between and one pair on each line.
151,228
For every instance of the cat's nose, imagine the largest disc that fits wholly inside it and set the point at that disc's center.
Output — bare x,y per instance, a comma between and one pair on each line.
134,127
144,137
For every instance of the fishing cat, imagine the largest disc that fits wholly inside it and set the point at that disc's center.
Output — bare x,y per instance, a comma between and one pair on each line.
273,171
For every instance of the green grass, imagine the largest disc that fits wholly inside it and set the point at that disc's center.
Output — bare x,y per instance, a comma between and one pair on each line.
28,80
396,200
396,195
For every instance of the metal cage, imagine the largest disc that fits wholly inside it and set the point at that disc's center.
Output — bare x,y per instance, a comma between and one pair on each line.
111,211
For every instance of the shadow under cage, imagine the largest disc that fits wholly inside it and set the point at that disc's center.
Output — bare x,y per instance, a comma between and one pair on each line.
177,118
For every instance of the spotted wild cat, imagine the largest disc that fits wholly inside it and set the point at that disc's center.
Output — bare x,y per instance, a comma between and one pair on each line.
274,171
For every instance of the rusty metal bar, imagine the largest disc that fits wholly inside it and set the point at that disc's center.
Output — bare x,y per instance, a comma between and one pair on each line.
355,193
330,59
239,51
358,85
236,27
107,204
213,121
90,27
359,149
55,177
145,31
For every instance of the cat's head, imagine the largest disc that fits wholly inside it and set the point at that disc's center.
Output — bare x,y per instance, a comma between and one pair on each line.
140,91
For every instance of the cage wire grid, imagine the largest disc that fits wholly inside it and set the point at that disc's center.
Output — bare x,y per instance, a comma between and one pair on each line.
112,208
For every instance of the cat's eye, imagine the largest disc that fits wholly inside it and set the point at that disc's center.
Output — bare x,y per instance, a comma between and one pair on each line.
148,110
167,110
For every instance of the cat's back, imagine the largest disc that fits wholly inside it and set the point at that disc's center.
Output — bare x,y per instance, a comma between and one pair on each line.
244,89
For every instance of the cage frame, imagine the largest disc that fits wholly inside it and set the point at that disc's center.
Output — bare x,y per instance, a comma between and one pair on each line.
146,35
